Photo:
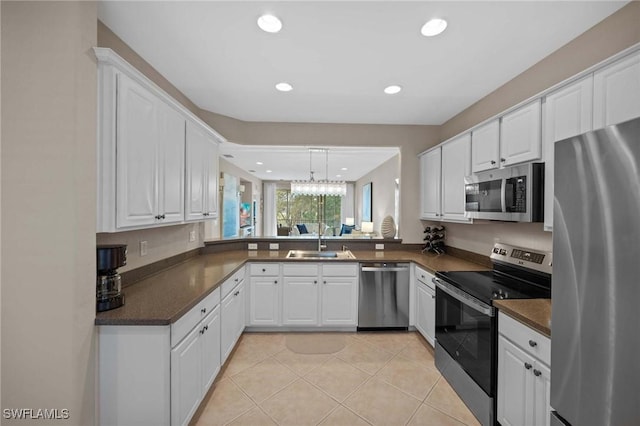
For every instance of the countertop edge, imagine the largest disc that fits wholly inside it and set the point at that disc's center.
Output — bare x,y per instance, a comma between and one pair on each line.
523,317
424,261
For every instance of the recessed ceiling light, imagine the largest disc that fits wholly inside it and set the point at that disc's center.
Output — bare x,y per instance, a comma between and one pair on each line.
269,23
338,176
259,163
268,171
433,27
392,90
344,168
284,87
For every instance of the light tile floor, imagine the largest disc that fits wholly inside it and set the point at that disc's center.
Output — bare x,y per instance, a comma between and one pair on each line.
377,379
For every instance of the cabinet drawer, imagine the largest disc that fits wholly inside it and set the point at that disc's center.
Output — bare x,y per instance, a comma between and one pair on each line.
300,269
265,269
425,277
340,270
526,338
181,328
231,282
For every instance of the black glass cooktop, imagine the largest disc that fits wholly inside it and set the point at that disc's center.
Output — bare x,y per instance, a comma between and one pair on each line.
489,285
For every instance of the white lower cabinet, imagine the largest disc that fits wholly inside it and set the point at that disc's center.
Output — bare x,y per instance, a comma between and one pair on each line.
232,316
264,295
523,375
425,305
194,364
158,375
311,295
339,301
300,294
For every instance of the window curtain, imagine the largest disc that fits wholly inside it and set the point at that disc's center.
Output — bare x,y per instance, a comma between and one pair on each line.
348,204
269,212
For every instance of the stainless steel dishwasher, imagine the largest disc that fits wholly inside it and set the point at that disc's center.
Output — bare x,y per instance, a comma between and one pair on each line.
383,301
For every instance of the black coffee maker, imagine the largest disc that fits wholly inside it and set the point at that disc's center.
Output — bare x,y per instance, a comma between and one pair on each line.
109,283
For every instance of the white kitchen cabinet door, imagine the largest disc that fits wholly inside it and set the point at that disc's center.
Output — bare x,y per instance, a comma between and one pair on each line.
485,147
520,132
430,184
339,301
568,112
231,320
211,188
196,175
456,164
422,311
264,301
210,348
616,92
300,301
136,154
514,384
186,378
202,174
171,148
541,406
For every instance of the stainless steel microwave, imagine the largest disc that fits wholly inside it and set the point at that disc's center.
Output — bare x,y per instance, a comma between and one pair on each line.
514,194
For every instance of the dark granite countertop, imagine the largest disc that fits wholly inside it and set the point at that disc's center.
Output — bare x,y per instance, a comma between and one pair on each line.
164,297
534,313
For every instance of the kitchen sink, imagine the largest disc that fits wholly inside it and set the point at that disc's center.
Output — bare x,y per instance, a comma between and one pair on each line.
314,254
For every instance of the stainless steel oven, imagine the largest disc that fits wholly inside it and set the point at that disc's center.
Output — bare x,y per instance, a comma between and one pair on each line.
513,194
467,323
466,339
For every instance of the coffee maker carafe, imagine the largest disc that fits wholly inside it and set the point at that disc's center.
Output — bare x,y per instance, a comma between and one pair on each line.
109,283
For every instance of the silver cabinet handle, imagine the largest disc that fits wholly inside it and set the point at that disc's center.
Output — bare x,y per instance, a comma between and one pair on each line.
527,366
537,373
533,343
203,310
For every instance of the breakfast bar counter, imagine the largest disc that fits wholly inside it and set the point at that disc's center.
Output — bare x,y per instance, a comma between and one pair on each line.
165,296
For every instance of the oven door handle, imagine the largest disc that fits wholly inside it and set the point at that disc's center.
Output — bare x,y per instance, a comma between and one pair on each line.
465,298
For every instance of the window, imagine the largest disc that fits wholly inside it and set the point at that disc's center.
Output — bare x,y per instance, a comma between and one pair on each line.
292,210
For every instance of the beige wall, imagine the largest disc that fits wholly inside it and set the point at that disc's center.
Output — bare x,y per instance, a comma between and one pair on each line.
411,140
49,207
162,242
383,179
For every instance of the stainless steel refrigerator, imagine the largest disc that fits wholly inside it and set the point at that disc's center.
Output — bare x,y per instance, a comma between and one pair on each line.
595,326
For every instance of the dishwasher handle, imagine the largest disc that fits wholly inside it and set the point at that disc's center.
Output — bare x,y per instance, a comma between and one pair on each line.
384,269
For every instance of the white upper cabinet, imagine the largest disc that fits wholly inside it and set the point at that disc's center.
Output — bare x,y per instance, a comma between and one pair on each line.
202,174
136,154
430,178
442,172
485,147
141,153
567,112
171,162
456,164
149,158
520,134
616,92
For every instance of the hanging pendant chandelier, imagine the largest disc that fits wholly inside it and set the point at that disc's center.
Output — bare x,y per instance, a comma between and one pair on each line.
319,187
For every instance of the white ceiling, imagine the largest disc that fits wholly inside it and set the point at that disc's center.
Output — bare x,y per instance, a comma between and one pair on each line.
339,56
292,162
